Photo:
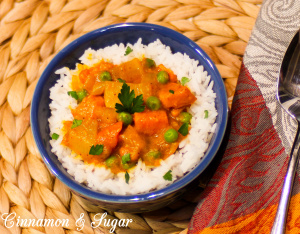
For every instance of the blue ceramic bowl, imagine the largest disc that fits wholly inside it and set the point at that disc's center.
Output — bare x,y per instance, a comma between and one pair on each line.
100,38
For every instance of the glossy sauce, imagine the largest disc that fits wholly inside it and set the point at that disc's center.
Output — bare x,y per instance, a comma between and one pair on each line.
100,125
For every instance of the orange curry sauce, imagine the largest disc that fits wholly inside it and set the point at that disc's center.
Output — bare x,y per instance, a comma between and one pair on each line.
100,125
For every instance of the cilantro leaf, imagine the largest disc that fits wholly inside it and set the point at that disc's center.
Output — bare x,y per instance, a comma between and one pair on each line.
96,150
205,114
127,177
126,158
130,103
184,129
168,176
137,104
128,50
76,123
55,136
184,80
73,94
121,80
171,91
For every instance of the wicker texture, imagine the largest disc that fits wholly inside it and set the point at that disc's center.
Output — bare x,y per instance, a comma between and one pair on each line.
32,32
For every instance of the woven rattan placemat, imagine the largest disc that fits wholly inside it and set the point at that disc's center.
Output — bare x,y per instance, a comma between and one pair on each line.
31,33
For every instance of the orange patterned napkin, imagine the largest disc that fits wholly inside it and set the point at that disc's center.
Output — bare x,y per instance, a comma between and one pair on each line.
243,194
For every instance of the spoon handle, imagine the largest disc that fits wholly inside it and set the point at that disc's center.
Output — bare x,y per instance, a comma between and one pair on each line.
283,206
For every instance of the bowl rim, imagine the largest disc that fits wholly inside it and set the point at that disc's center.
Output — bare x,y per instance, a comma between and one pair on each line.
148,196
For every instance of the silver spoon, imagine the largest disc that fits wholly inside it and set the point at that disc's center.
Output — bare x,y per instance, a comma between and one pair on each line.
288,96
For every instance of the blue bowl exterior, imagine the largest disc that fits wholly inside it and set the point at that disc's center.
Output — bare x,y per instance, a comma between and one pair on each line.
100,38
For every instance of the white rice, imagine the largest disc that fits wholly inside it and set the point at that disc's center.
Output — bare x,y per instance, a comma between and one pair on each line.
142,178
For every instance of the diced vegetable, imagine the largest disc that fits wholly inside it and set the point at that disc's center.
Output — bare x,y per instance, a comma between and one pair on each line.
163,77
131,142
108,136
87,108
131,71
106,116
153,103
150,122
182,96
98,88
171,135
125,117
81,138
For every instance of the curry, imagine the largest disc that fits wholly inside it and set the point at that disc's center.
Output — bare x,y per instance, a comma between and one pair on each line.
135,110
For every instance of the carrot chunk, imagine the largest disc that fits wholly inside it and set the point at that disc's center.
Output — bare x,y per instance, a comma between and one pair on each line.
150,122
180,96
132,143
108,136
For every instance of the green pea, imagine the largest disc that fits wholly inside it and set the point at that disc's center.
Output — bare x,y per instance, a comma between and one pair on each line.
171,135
153,154
81,94
112,160
150,63
163,77
153,103
125,117
105,76
185,117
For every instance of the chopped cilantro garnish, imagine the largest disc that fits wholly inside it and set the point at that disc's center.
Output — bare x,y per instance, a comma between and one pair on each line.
96,150
73,94
128,50
171,91
184,129
81,94
55,136
121,80
76,123
127,177
130,103
126,158
168,175
205,114
184,80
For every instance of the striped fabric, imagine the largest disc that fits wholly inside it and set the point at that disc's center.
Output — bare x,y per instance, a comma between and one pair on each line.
243,194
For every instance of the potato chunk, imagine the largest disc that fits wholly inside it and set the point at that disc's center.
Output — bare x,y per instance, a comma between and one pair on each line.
80,139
